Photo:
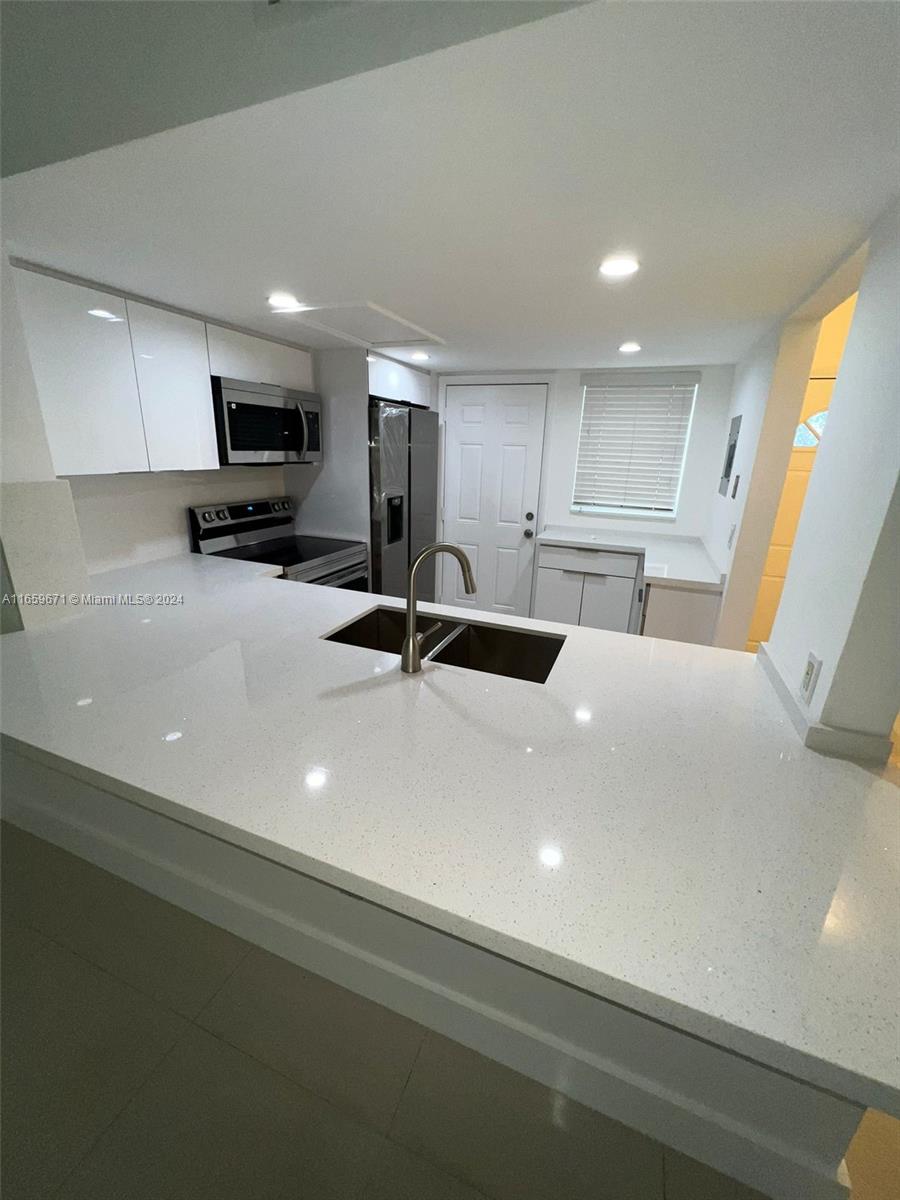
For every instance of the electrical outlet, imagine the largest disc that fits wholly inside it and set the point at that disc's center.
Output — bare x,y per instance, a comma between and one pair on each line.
731,536
810,677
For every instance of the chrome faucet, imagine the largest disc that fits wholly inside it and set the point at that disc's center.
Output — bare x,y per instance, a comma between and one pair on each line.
411,659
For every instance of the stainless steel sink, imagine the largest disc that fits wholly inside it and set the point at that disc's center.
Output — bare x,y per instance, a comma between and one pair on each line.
499,651
384,629
488,648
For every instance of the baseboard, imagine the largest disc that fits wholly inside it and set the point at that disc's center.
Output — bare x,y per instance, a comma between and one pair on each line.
851,744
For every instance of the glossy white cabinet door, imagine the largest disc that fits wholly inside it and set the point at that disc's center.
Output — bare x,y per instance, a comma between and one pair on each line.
394,381
173,382
681,614
557,596
606,602
84,373
240,356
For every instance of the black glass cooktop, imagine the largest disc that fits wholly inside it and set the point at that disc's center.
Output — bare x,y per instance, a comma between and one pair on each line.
288,551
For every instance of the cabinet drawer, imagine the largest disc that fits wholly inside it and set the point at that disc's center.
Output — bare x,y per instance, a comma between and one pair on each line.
558,595
591,562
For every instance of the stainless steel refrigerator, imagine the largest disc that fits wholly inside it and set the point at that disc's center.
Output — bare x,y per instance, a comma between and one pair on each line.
403,472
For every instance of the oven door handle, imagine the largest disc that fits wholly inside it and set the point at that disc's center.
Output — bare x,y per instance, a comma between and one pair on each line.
303,422
338,578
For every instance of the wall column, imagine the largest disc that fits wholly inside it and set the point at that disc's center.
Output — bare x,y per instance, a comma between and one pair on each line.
840,596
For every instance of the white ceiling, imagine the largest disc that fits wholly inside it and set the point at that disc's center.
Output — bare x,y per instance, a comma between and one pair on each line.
740,150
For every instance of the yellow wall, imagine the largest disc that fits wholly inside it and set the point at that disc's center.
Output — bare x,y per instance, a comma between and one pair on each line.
827,358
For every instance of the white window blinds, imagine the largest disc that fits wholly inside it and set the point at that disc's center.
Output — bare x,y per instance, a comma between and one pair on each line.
632,442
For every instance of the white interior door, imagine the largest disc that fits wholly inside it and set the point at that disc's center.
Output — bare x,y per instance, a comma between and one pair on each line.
493,442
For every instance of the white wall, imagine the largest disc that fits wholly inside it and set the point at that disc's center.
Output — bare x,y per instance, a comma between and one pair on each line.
839,549
702,468
127,519
334,498
773,389
752,381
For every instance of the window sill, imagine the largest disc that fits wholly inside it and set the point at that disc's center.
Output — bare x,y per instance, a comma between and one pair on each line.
627,514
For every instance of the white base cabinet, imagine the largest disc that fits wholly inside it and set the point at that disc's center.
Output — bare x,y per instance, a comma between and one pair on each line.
587,587
558,595
172,370
606,602
80,352
681,614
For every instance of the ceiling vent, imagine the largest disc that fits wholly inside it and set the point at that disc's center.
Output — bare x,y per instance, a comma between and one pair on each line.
366,324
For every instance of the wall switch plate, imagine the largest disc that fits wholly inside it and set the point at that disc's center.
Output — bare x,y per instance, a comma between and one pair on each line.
810,677
731,536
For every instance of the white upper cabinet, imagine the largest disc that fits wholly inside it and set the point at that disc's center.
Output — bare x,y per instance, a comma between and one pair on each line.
80,351
240,356
394,381
173,382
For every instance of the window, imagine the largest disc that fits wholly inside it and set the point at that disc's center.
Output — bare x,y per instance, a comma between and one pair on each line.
809,432
632,442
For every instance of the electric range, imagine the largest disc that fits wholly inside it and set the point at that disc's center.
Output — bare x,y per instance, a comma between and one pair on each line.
262,531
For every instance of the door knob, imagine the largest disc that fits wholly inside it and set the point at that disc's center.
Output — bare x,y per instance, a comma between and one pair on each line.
529,533
529,516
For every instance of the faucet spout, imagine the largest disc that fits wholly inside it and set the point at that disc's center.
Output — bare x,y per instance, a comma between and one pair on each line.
411,658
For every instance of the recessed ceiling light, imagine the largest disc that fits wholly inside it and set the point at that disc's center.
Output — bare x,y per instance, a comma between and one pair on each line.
285,302
619,266
629,347
103,314
420,356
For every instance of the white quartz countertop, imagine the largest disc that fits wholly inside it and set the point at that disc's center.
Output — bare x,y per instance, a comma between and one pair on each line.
667,558
645,825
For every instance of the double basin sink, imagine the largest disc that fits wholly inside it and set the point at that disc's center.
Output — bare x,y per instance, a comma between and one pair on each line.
479,647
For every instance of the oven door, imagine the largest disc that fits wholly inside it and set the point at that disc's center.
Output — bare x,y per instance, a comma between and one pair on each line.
353,579
259,424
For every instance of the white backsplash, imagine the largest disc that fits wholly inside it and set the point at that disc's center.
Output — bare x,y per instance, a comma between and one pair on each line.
126,519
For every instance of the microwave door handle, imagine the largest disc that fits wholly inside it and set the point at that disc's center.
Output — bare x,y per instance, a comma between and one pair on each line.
305,431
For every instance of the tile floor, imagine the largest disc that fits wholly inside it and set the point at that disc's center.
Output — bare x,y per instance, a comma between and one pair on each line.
149,1055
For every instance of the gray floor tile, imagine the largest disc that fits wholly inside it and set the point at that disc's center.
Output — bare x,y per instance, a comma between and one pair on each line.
401,1175
211,1123
43,887
164,951
18,946
687,1179
513,1138
77,1044
347,1049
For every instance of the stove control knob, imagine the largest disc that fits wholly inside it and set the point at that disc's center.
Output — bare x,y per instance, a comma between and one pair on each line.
208,516
221,514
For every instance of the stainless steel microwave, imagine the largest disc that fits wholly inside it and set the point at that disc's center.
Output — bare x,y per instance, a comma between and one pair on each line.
258,423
